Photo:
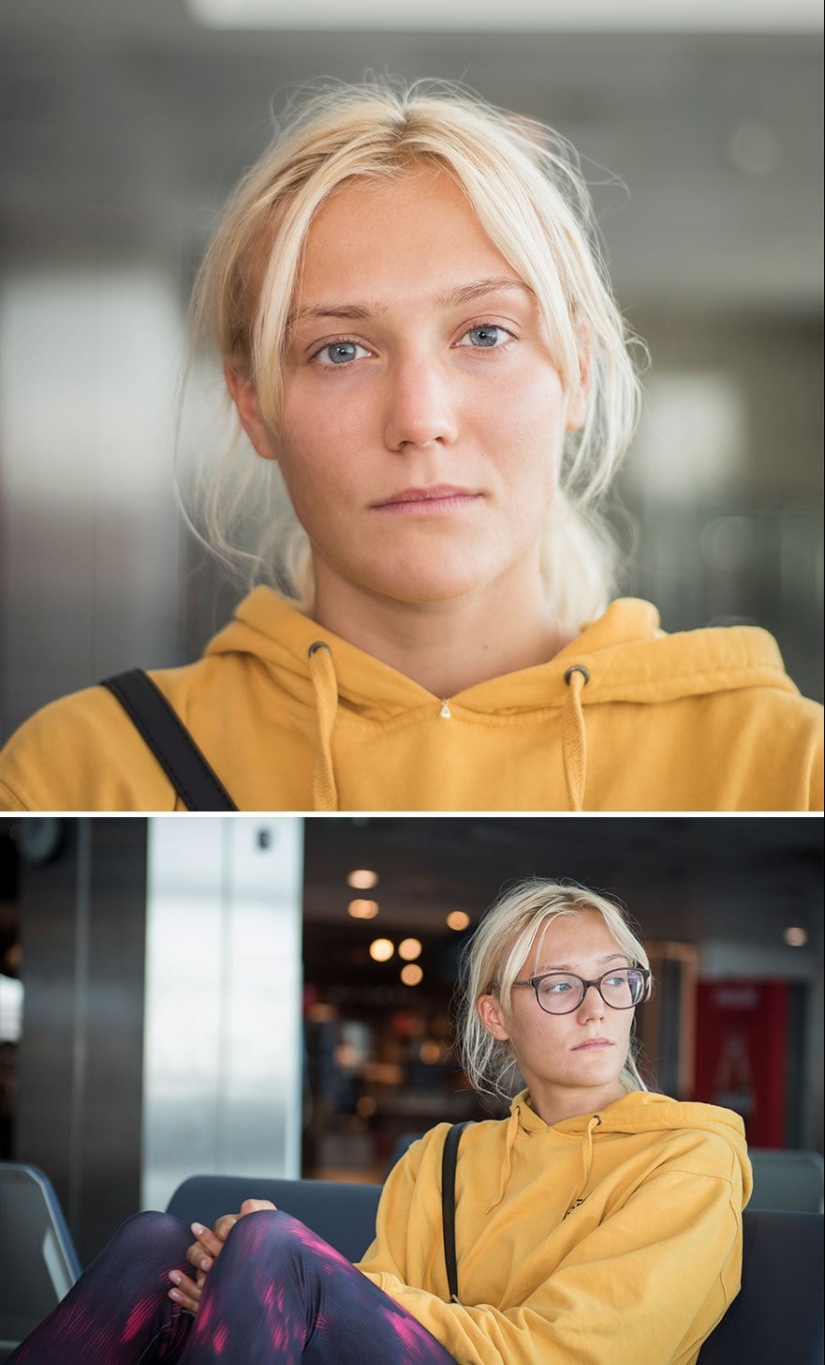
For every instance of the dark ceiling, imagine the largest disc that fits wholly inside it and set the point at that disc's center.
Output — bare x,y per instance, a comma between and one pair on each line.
699,880
735,882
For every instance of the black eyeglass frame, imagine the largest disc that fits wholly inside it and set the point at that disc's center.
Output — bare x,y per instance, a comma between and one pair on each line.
535,982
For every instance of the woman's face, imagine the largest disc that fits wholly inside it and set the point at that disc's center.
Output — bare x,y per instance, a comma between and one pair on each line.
423,415
571,1062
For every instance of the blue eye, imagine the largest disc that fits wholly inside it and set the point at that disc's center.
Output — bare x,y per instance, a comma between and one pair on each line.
484,337
340,353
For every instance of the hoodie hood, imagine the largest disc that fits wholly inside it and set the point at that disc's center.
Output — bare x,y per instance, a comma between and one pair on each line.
639,1112
330,688
626,654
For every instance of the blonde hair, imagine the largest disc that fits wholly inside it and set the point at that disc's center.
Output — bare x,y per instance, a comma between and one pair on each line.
528,194
494,957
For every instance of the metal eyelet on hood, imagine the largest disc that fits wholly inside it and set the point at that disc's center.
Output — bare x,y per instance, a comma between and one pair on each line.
574,668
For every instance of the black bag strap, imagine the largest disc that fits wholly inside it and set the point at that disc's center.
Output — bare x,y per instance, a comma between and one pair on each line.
448,1165
174,748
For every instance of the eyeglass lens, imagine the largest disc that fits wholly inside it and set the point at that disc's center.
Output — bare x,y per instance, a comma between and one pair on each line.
560,992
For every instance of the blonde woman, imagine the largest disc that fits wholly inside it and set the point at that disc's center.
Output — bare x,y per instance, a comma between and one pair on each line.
421,346
598,1222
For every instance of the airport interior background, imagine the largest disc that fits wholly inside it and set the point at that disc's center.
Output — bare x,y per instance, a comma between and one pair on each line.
271,995
125,126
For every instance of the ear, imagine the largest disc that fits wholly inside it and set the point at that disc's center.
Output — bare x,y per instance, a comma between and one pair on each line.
579,399
244,395
492,1016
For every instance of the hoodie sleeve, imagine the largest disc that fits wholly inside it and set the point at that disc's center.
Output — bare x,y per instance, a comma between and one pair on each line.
82,753
649,1283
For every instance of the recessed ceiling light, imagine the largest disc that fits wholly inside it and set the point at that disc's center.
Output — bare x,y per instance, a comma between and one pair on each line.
457,919
411,974
362,879
381,950
409,949
360,909
796,937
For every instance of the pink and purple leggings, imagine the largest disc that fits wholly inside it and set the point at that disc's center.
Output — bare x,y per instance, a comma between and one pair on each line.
276,1295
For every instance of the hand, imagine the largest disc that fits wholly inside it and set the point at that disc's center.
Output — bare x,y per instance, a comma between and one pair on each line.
203,1253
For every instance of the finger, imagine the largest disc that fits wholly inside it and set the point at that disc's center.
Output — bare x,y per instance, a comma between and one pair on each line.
197,1257
254,1206
209,1242
224,1226
185,1291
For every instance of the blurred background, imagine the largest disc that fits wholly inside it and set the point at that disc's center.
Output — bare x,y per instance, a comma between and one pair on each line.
271,996
123,127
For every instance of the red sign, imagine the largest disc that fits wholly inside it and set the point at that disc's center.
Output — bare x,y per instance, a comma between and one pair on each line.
741,1053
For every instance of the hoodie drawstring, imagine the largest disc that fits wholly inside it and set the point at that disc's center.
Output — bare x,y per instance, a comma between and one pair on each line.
587,1162
325,686
507,1164
574,736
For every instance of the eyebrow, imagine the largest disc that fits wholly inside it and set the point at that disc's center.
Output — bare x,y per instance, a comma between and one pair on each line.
359,312
567,967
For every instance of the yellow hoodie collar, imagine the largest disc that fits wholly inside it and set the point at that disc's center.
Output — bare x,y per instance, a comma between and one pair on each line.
623,656
639,1111
626,653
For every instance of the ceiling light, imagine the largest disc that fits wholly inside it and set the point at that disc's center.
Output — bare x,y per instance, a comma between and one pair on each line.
381,950
362,879
359,909
796,937
409,949
411,974
457,919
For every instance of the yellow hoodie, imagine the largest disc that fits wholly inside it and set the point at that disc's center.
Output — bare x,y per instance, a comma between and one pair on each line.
706,720
610,1239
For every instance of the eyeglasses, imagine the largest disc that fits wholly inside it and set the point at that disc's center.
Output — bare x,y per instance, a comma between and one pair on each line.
563,992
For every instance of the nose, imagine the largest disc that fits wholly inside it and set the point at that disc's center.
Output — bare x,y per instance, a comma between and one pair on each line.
420,408
592,1006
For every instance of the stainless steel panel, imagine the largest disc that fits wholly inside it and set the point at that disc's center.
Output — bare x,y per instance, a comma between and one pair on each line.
89,531
223,995
78,1117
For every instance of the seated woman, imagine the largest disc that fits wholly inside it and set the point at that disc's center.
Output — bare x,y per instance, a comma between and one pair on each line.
418,338
599,1222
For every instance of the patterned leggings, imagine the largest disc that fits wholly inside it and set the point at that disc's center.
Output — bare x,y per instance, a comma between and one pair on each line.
276,1295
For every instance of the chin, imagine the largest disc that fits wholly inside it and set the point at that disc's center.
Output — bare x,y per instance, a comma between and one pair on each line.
432,582
424,594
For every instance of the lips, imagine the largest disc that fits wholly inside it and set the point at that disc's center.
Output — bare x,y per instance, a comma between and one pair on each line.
593,1043
439,492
